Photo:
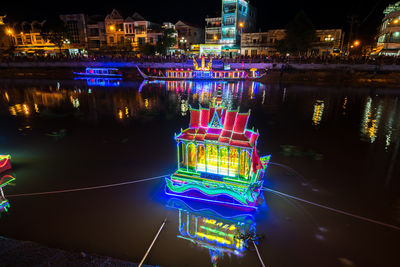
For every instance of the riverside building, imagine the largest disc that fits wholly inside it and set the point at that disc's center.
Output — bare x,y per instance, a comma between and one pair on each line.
389,32
237,17
328,42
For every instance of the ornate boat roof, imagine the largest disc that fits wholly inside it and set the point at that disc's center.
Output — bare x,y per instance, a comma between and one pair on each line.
219,125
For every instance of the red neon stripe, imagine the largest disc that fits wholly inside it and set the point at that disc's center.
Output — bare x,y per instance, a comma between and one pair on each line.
5,162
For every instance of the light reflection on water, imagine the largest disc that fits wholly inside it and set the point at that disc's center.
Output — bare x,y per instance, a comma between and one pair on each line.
344,140
126,103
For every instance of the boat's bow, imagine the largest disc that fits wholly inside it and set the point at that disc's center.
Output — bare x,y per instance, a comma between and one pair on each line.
142,74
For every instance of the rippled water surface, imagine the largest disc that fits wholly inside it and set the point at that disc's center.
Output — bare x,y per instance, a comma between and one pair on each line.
338,147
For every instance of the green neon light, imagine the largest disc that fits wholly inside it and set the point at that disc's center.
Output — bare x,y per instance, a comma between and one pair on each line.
217,232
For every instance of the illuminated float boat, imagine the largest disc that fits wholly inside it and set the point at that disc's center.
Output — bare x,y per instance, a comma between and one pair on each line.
100,72
204,73
101,81
218,160
212,229
5,163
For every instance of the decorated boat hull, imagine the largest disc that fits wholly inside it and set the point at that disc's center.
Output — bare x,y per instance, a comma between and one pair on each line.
213,75
216,189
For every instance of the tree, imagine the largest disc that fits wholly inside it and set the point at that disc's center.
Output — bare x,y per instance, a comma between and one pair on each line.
168,40
56,33
300,34
147,49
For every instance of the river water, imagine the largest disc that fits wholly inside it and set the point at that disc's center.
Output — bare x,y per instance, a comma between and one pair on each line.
337,147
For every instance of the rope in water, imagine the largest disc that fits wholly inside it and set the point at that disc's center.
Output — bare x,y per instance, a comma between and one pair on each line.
86,188
334,210
162,176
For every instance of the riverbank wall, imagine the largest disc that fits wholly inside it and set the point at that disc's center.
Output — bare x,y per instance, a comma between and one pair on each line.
347,75
173,65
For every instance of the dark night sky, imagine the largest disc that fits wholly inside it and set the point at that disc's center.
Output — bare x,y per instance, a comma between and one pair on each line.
271,14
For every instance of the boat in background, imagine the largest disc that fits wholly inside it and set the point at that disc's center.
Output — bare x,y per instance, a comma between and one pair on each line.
100,72
101,81
204,73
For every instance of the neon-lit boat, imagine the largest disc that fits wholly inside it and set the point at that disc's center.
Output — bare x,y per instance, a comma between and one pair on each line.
204,73
5,163
101,81
218,159
100,72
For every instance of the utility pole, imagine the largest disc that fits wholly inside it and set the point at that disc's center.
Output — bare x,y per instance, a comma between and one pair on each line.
352,20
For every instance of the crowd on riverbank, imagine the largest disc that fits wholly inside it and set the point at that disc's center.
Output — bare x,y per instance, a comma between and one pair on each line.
377,60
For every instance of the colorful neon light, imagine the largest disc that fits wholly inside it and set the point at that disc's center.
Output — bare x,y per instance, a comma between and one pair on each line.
217,159
209,229
5,163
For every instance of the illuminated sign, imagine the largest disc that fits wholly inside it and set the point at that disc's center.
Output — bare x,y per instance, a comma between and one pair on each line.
210,49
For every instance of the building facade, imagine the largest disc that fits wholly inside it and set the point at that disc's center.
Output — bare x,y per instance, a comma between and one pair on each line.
328,42
389,32
114,29
77,30
96,33
26,38
188,35
213,31
238,17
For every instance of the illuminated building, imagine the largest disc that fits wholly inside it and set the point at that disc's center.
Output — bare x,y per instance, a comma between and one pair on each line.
218,159
238,16
27,38
114,29
188,34
139,31
213,30
328,42
213,229
389,32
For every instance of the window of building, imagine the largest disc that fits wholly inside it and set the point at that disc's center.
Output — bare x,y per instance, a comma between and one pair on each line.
111,39
39,39
28,39
73,30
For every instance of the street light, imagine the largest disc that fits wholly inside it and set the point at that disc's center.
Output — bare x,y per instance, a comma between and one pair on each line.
9,31
241,25
112,28
356,43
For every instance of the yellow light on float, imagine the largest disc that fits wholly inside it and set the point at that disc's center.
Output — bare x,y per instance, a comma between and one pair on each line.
253,70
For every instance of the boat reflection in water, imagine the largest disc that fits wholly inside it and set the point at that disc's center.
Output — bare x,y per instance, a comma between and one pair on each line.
103,82
218,229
